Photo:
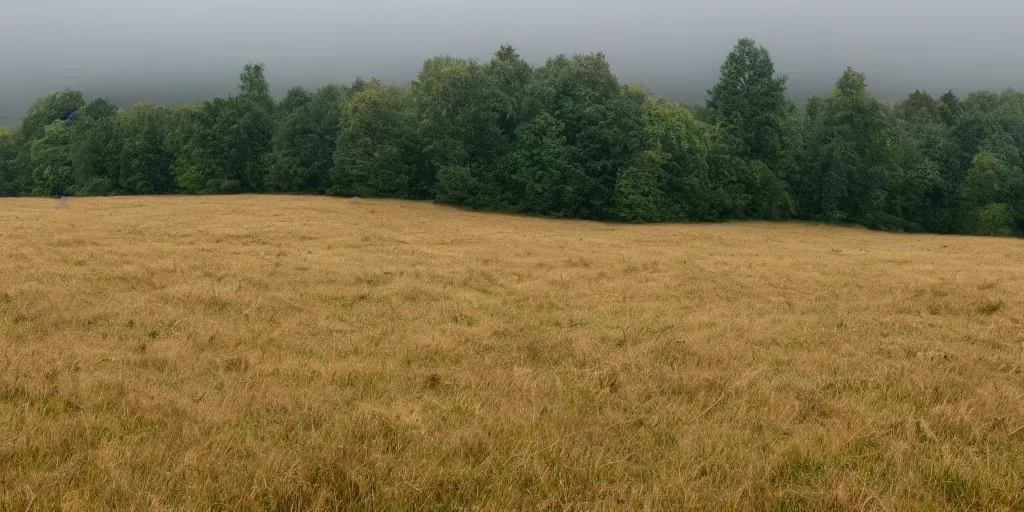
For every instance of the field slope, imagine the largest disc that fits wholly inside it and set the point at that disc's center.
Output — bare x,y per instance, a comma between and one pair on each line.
296,353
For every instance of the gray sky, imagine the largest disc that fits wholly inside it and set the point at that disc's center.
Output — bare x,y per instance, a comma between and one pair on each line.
178,51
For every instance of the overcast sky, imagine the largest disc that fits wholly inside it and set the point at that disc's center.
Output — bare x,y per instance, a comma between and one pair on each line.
177,51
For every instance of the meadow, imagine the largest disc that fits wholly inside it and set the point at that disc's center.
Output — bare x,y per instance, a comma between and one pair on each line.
312,353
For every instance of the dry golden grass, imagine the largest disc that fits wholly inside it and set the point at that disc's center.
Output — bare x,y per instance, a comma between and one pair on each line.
301,353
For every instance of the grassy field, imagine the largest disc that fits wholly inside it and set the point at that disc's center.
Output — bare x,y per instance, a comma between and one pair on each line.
300,353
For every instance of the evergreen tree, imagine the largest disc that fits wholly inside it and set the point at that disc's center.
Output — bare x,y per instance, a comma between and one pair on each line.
848,152
750,100
254,117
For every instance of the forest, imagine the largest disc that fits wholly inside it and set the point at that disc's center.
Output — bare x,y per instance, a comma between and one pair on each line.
564,139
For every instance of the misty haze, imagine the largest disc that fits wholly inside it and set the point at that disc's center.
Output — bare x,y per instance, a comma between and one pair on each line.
189,50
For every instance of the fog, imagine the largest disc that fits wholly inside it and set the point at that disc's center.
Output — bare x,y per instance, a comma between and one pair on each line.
182,51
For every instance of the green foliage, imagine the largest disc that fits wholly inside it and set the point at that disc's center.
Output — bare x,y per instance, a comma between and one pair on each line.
52,172
546,179
144,161
640,190
234,137
760,123
96,149
985,181
846,153
991,197
993,123
1014,200
919,108
99,109
305,140
993,219
45,169
457,184
254,118
511,77
603,126
949,108
376,150
295,99
750,99
98,187
183,130
10,179
769,196
48,109
698,168
563,139
460,111
221,186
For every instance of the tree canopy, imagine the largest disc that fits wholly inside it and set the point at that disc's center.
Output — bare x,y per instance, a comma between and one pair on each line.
565,138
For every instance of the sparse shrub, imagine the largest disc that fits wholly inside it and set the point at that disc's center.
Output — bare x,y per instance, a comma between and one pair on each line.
230,187
990,307
218,186
993,220
456,185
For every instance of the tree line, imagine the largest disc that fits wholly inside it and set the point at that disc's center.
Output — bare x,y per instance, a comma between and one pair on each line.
563,139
